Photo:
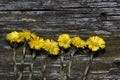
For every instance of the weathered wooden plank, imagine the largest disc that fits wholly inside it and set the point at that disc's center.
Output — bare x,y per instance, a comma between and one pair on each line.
49,18
55,4
33,16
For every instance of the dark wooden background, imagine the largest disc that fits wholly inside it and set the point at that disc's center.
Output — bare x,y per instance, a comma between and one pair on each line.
49,18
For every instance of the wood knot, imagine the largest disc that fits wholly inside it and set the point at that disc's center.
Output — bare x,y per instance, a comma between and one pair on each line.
103,14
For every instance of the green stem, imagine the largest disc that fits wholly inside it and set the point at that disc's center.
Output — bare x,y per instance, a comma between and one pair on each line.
15,63
22,62
88,66
62,65
31,65
44,68
70,64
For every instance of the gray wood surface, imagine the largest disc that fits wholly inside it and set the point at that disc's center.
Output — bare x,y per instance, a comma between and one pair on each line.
50,18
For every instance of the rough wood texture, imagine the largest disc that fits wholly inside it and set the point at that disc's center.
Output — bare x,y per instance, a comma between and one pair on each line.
49,18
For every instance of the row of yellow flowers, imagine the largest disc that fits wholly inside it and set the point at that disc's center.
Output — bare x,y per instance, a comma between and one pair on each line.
52,47
35,42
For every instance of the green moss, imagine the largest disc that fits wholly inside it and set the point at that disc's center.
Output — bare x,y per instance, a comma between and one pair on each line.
24,15
114,57
5,1
3,61
19,16
101,66
8,14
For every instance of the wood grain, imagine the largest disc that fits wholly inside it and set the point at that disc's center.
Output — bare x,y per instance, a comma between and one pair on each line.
50,18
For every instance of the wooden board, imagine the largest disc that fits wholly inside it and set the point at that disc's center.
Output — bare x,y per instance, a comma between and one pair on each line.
50,18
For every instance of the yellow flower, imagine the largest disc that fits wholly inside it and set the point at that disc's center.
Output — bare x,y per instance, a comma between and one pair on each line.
36,44
33,36
52,47
64,41
26,34
95,43
78,42
14,37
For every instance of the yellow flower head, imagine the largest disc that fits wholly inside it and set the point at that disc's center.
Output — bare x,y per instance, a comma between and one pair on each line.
78,42
36,43
33,36
95,43
52,47
64,41
26,34
14,37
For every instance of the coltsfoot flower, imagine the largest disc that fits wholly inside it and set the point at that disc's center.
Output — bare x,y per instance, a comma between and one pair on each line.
52,47
33,36
78,42
95,43
36,43
14,37
64,41
26,34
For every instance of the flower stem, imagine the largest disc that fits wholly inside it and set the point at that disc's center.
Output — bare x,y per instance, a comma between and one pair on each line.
15,65
44,68
88,66
31,65
70,64
62,65
22,62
